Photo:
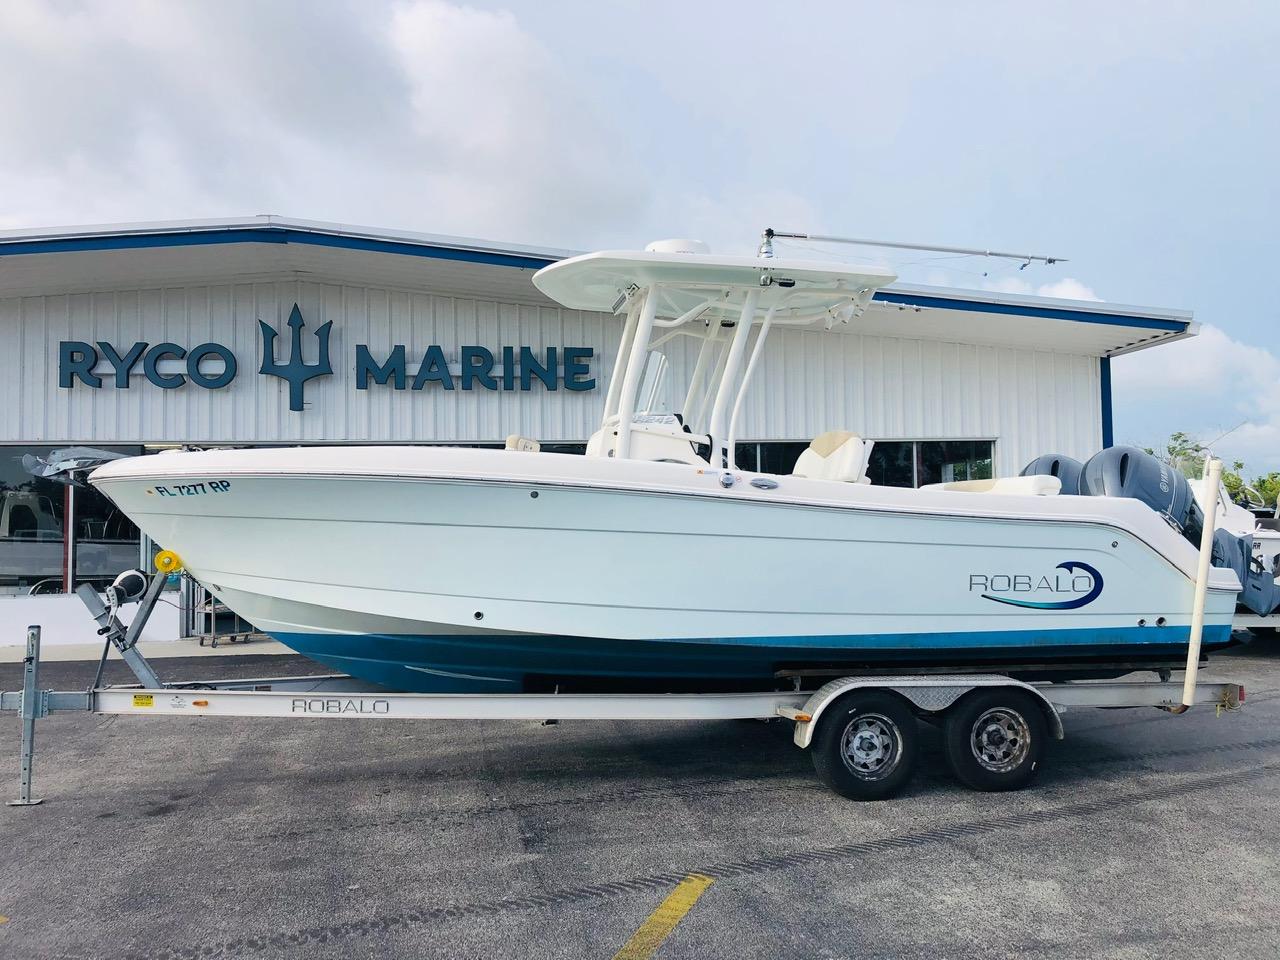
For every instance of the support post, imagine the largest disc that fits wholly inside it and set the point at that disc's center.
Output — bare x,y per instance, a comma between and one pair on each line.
721,456
1212,478
761,337
635,368
30,711
69,538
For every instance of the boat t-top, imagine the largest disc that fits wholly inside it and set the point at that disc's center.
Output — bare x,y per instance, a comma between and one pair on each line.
654,562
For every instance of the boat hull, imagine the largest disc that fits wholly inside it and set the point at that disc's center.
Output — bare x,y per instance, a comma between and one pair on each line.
486,570
504,664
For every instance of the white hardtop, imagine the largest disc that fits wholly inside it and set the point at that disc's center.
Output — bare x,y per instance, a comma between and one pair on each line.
678,288
601,281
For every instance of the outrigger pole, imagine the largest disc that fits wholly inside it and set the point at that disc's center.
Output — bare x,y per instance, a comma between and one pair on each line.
769,235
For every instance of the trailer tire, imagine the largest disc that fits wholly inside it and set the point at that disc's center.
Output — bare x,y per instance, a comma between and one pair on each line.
865,745
994,739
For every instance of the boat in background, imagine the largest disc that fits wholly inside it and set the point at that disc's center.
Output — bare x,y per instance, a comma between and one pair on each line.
653,562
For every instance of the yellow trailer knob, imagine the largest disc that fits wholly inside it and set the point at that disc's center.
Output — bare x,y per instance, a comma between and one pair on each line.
168,562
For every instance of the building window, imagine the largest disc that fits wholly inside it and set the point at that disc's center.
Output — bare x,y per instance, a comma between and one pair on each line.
894,463
106,542
41,551
780,456
945,461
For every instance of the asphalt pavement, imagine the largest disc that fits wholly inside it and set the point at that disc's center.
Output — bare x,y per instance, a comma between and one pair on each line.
1145,835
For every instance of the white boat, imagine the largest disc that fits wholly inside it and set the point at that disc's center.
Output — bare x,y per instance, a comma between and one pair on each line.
652,560
1256,521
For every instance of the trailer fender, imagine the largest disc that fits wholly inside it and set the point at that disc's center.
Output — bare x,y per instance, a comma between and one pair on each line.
929,694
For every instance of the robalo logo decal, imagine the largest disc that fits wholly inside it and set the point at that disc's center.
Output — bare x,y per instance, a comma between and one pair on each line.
213,366
1081,584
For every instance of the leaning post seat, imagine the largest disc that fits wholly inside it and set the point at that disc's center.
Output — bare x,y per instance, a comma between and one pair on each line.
835,455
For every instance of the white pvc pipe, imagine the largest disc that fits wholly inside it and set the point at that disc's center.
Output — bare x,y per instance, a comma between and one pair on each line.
1212,477
635,367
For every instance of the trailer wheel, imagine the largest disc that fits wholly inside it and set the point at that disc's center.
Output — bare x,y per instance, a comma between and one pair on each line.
865,745
994,739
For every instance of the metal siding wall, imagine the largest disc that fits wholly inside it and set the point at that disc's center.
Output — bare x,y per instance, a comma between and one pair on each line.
1030,402
256,408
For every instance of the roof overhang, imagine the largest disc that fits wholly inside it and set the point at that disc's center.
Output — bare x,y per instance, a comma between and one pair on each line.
218,251
1088,327
172,253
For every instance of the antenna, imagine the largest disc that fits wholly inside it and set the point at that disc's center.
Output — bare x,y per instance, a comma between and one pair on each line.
1209,445
767,238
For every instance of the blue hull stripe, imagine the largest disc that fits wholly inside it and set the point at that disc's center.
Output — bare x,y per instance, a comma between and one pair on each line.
494,662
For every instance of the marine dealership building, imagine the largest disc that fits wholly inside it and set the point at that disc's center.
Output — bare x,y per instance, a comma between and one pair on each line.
267,331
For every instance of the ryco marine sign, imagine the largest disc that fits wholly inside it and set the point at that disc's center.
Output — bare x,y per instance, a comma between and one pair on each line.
213,365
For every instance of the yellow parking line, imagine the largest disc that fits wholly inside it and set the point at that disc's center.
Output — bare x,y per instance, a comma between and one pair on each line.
4,920
644,943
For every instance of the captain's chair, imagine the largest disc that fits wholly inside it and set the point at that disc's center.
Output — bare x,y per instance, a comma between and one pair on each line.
835,455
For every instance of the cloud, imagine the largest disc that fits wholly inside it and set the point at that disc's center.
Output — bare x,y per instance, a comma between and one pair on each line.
1192,384
584,125
423,114
512,139
1068,288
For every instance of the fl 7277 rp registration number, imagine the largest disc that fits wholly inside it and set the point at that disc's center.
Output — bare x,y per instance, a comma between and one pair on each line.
193,489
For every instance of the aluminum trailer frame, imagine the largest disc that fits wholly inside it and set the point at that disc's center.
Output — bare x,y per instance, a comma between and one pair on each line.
1250,621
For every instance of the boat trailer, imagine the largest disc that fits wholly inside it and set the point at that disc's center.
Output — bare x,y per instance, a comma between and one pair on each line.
860,730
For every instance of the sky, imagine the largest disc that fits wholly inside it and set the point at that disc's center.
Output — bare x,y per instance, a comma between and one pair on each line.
1138,140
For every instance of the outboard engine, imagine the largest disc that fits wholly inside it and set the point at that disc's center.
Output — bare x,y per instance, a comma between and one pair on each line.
1134,473
1260,592
1066,469
1129,472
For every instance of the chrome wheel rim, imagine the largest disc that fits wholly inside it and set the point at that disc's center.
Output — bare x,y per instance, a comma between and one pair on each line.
871,746
1000,740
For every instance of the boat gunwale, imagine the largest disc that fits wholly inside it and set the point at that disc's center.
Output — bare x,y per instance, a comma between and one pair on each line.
729,495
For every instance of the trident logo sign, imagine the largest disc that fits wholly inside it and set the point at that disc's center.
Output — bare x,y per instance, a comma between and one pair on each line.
295,371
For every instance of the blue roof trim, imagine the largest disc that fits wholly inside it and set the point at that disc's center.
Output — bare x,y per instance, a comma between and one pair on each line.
274,234
195,238
1049,313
